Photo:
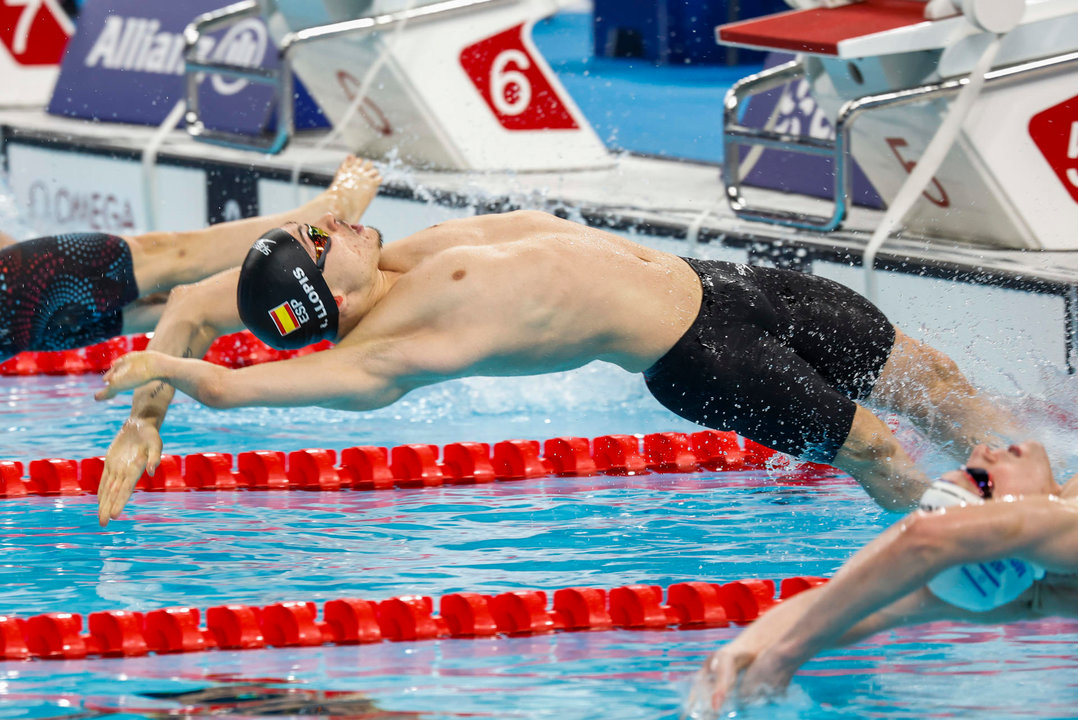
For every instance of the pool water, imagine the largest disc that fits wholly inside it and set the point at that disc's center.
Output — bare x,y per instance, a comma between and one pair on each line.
256,548
209,548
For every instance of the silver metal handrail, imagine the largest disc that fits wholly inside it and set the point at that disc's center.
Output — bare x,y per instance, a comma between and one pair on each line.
196,68
281,78
736,135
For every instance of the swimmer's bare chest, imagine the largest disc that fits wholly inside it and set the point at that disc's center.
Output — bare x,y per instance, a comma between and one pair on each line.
532,305
545,302
487,230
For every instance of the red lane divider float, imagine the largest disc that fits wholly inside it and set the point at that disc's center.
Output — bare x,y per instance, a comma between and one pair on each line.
348,621
411,466
366,468
235,351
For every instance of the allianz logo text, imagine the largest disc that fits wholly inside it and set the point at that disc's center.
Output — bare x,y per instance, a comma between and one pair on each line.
139,44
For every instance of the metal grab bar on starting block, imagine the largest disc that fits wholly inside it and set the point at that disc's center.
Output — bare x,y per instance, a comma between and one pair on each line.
281,77
736,135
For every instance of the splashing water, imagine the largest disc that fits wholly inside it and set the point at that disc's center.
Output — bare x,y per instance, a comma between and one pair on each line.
1052,418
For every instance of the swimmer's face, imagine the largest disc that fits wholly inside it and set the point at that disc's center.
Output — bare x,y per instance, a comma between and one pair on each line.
1021,469
321,241
335,245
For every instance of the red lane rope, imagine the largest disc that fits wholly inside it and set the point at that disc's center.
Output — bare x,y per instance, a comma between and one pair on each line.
236,350
409,617
367,467
350,621
415,465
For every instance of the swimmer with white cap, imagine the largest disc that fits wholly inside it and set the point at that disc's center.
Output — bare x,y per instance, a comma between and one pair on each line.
996,541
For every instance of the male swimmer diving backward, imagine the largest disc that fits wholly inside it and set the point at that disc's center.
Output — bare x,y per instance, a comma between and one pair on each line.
781,357
997,542
78,289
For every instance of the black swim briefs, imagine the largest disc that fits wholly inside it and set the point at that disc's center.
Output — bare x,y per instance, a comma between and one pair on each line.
777,356
64,292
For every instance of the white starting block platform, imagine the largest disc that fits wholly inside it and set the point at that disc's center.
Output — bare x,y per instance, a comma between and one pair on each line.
1009,316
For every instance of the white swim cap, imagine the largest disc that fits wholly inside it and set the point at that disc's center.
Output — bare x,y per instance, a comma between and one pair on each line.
977,586
941,494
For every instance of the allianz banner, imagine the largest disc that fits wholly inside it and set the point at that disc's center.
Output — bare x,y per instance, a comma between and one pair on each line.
125,64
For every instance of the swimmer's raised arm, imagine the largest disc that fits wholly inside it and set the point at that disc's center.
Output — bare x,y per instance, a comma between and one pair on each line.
194,316
898,564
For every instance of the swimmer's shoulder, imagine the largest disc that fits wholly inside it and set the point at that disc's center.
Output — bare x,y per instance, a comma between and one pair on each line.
435,285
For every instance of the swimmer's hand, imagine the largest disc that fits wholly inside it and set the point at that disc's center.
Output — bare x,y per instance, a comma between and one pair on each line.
128,372
136,448
733,676
767,676
756,665
716,682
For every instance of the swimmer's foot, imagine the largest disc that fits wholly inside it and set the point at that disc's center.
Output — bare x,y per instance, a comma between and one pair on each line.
354,186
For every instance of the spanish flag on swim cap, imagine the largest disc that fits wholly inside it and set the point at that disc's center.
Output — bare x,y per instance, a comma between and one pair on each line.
282,297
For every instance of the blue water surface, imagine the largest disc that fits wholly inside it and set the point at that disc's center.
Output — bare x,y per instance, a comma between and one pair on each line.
209,548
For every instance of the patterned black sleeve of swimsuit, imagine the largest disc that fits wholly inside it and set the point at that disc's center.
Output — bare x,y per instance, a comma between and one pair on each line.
63,292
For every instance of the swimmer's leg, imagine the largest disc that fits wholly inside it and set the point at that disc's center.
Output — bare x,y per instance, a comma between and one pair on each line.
926,386
143,315
750,382
164,260
873,456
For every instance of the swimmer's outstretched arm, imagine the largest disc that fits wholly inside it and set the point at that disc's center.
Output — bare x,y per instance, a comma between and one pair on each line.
888,576
335,378
194,317
716,684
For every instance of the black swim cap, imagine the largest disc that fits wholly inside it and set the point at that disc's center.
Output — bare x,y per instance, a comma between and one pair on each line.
282,297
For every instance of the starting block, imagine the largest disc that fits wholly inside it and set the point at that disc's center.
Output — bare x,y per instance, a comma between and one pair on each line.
448,84
1011,178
